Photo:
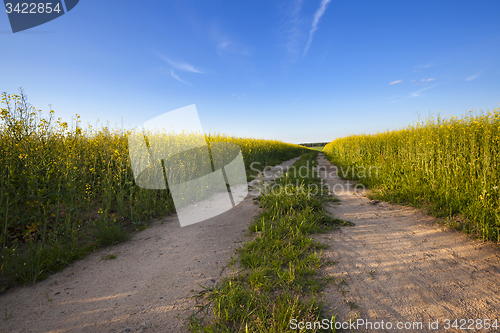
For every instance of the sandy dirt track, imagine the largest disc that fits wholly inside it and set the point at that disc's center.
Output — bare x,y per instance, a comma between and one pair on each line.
396,264
147,288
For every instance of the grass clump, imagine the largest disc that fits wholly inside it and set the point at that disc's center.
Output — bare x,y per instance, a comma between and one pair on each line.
111,234
277,280
109,257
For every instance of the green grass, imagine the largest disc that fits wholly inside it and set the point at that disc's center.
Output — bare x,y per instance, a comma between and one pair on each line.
37,260
449,166
67,190
277,279
109,257
317,148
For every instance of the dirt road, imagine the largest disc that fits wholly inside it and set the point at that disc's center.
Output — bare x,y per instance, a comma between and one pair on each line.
397,265
147,288
394,265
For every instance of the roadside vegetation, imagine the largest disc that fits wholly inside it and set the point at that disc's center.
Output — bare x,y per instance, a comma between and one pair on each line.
275,275
66,190
450,166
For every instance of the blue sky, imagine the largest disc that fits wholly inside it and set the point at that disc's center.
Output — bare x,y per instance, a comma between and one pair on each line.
297,71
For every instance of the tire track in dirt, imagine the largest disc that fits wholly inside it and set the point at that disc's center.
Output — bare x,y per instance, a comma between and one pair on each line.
398,265
147,288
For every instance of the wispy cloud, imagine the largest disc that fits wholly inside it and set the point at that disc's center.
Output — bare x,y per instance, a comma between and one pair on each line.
182,66
292,28
226,43
232,47
420,67
317,16
178,78
397,81
239,95
470,78
432,79
418,93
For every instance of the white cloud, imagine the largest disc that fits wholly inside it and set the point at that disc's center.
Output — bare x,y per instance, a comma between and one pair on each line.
292,27
182,66
418,69
428,80
232,47
418,92
397,81
423,66
177,77
473,77
317,16
225,43
239,95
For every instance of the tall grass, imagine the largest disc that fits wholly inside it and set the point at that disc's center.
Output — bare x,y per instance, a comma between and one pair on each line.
452,164
66,189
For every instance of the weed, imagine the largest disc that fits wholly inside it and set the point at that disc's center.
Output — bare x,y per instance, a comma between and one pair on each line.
343,291
329,263
371,273
109,257
332,221
109,234
352,305
329,279
6,314
142,227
